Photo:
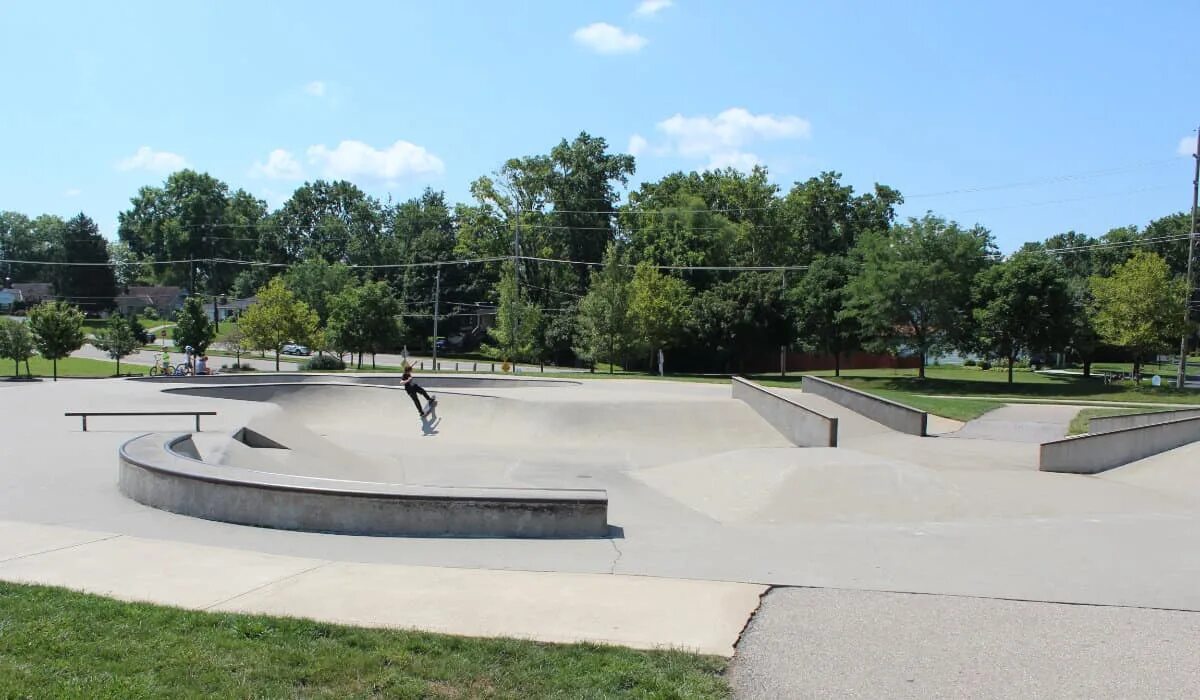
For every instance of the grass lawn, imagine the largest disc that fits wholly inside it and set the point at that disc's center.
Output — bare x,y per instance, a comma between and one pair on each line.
1081,422
58,643
72,367
991,385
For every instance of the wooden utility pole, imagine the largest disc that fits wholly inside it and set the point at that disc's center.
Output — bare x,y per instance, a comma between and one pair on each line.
437,295
1190,285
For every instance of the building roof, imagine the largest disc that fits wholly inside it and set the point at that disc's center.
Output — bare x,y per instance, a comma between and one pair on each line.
155,296
32,291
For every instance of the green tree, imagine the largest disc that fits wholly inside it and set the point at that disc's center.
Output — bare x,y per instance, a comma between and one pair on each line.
118,338
90,287
1023,303
820,301
659,308
193,326
193,216
518,323
233,340
57,329
16,343
22,238
913,288
364,319
1137,307
742,317
278,318
334,221
316,282
602,322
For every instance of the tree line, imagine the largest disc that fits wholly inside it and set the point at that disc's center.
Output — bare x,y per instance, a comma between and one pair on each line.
715,267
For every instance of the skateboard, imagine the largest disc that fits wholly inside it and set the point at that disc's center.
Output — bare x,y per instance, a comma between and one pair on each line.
429,406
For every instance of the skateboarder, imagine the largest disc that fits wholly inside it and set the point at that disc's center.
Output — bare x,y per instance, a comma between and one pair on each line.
411,386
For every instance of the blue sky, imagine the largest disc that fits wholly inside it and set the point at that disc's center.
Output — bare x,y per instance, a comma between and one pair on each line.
929,97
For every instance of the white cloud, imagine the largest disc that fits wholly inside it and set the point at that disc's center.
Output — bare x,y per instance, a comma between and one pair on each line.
316,88
602,37
351,159
649,8
147,158
737,160
637,145
72,193
280,165
1187,146
721,139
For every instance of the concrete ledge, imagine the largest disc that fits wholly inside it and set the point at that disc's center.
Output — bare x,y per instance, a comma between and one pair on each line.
1097,452
163,471
896,416
1107,424
803,426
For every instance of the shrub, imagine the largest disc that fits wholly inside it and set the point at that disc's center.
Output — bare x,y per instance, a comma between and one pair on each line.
985,365
1021,364
323,361
235,367
969,363
150,313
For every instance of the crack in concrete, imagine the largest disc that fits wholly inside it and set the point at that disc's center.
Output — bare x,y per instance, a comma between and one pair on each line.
613,569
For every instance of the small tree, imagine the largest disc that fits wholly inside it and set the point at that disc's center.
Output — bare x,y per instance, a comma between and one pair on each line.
603,321
16,343
193,326
364,319
518,323
1023,303
1137,308
234,341
118,339
659,307
57,329
277,318
820,300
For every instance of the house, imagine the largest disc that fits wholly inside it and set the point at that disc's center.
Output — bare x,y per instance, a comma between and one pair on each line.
164,300
34,293
232,308
10,299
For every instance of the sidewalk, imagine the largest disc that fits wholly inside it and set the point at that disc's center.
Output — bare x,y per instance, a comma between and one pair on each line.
635,611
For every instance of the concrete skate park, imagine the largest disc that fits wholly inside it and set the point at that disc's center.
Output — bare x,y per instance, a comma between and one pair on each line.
637,512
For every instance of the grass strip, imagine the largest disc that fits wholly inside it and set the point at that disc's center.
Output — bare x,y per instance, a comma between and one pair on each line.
62,644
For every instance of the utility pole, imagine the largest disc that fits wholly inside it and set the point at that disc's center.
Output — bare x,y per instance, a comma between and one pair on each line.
437,293
1190,283
516,285
783,348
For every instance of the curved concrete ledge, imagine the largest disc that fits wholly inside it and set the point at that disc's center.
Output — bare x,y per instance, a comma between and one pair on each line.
1097,452
896,416
801,425
391,379
164,471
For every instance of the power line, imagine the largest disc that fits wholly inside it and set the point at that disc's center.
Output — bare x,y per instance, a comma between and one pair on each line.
1048,180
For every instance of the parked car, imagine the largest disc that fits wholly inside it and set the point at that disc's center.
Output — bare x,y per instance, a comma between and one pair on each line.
294,349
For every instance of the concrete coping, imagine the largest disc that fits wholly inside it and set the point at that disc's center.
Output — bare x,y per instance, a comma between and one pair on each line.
1092,453
165,453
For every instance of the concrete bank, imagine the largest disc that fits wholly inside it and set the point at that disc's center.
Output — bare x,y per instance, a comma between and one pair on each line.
803,426
896,416
1097,452
164,471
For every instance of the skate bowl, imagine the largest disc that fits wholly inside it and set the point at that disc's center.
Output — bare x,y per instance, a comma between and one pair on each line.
167,472
495,458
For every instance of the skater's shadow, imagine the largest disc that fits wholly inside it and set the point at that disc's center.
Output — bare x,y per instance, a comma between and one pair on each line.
430,422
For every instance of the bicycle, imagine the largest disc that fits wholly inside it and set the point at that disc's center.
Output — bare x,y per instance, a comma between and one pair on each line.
160,368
